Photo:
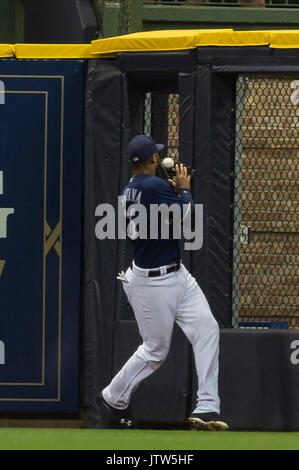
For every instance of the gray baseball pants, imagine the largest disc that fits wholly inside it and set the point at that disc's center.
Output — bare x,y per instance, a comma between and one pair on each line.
158,302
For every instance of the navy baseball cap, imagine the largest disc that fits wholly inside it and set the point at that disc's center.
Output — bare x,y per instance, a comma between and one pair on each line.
142,147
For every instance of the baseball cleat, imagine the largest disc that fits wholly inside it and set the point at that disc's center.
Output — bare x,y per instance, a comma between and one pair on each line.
207,422
122,419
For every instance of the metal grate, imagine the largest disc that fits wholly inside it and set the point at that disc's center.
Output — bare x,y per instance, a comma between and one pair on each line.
266,224
161,119
125,16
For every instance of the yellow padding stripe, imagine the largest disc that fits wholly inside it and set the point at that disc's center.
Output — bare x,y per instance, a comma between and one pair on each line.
53,51
189,39
233,38
165,40
7,50
284,39
152,41
179,40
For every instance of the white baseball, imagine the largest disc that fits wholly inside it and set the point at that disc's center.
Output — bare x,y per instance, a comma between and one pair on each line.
168,162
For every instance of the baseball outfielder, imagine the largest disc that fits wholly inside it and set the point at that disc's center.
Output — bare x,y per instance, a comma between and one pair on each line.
161,292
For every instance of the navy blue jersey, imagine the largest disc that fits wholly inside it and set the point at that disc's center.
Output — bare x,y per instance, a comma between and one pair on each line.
147,190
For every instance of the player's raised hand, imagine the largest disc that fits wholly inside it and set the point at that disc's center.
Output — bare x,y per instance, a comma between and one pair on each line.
182,179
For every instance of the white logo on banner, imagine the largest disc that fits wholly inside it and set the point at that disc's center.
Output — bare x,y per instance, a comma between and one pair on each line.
294,358
2,92
2,353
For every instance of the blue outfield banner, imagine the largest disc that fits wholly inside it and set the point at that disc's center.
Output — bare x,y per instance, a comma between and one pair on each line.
41,148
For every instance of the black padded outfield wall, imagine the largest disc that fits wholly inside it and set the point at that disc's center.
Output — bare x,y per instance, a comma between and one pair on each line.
212,188
187,100
103,138
259,379
114,113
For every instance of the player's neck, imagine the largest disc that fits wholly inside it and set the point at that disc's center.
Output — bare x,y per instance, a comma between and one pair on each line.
144,171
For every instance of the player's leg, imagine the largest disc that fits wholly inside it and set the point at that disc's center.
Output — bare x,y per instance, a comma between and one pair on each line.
153,301
195,318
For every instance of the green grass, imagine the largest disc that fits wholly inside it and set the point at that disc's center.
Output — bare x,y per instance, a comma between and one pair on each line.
104,439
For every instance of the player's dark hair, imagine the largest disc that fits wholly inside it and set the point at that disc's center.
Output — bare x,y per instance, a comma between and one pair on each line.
137,165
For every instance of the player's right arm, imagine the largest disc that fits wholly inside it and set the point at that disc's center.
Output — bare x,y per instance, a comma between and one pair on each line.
182,179
182,185
178,190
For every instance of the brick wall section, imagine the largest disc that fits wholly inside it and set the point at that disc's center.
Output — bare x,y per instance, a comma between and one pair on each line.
173,126
268,265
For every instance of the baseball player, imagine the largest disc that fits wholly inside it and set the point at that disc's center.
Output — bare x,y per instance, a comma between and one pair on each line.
161,292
